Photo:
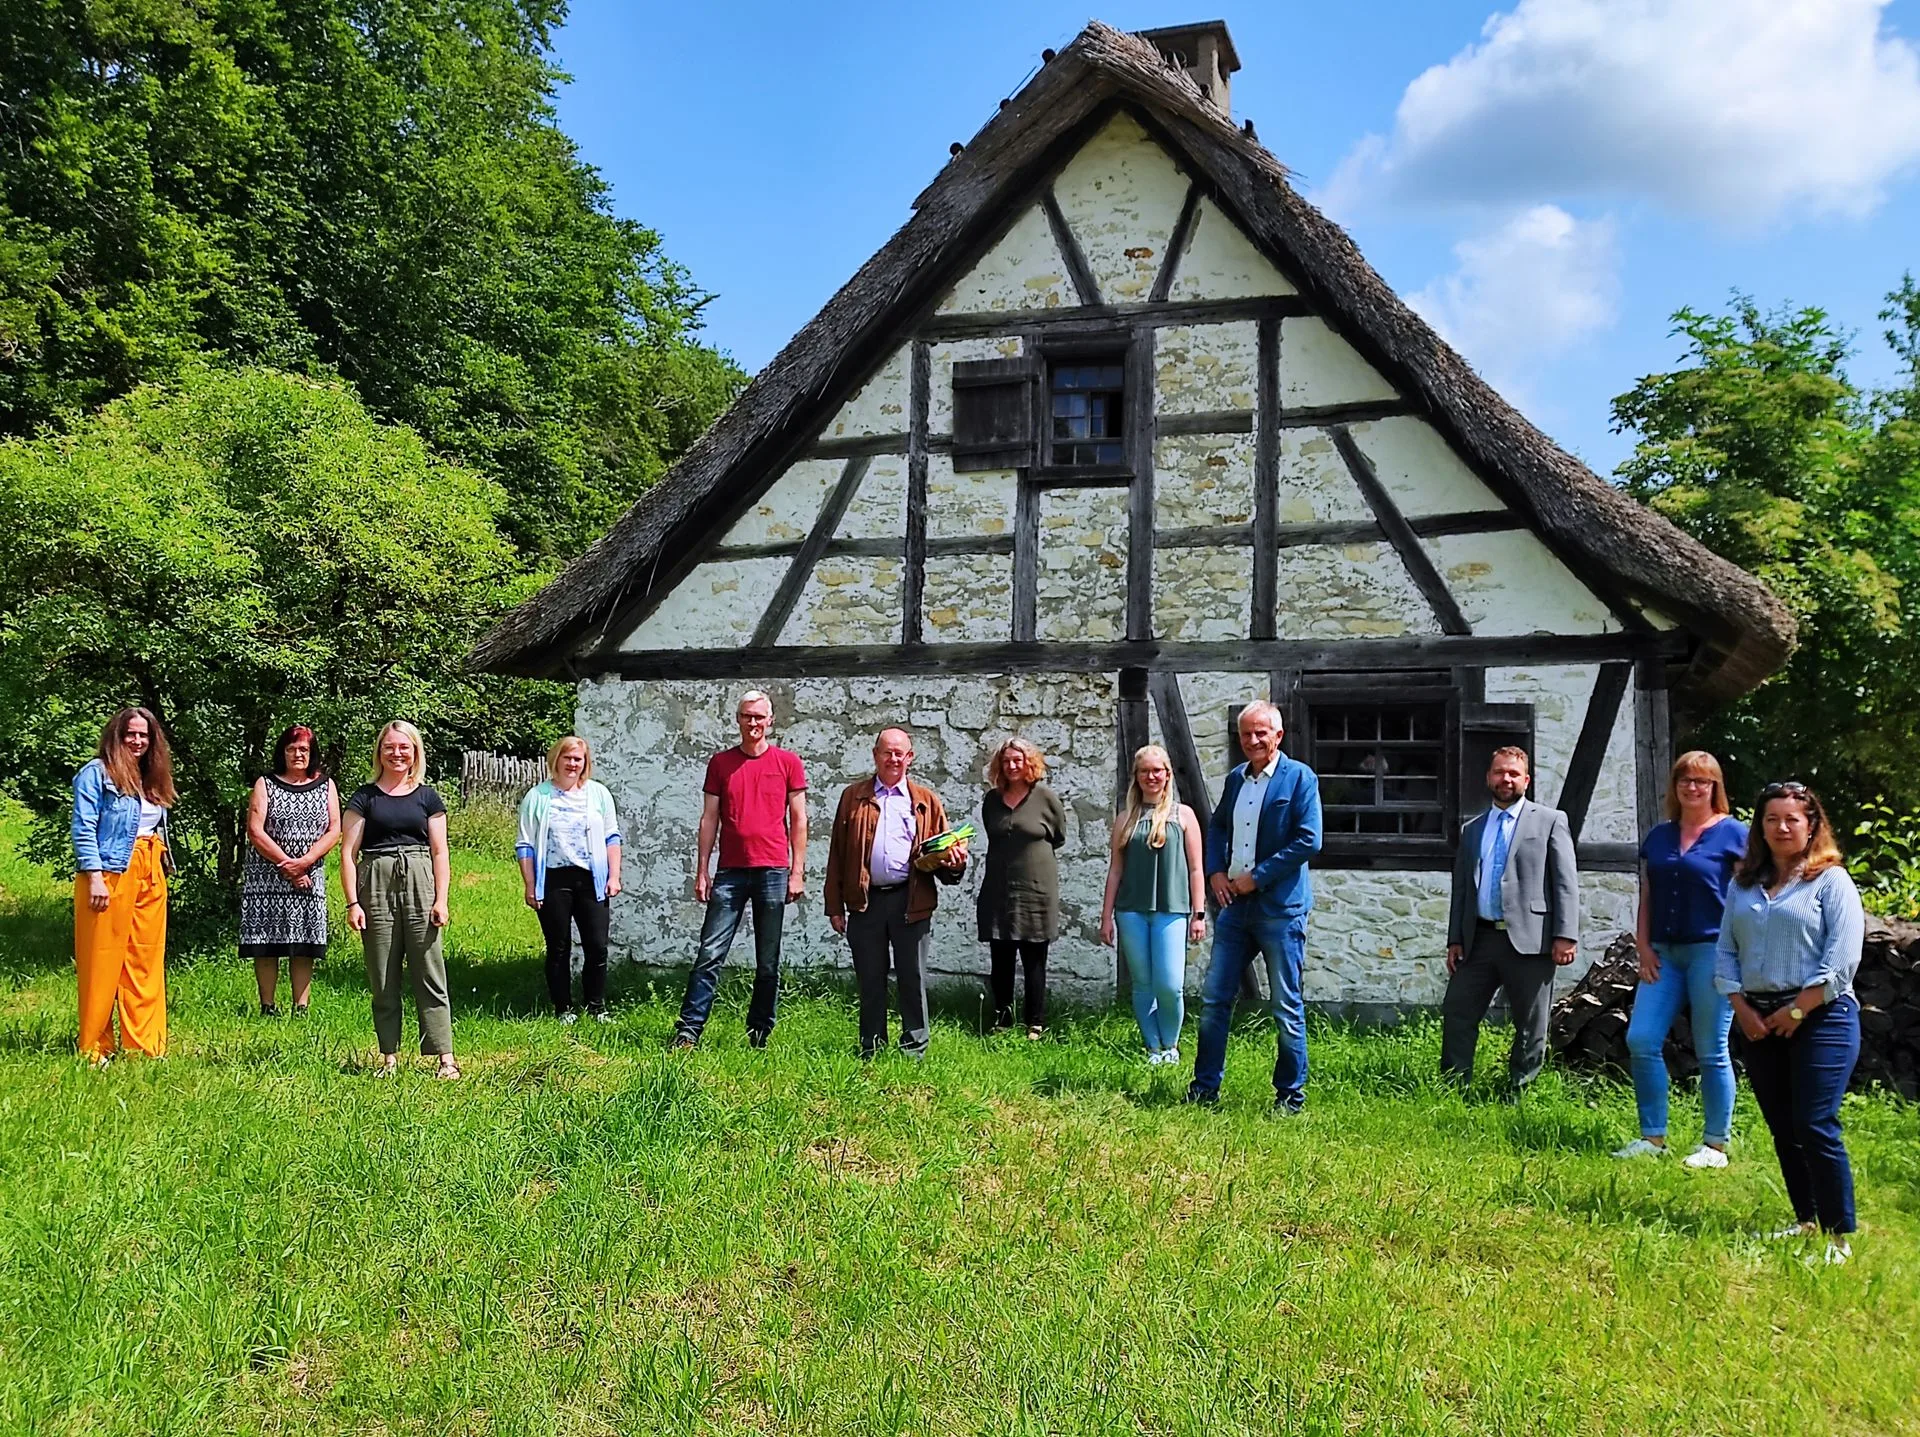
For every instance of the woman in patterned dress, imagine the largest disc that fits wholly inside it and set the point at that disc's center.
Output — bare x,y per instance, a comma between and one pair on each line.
292,822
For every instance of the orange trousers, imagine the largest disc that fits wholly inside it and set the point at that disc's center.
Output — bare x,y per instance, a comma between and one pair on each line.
121,956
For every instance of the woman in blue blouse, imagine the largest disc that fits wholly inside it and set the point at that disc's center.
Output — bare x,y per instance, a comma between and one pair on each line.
1685,866
1789,944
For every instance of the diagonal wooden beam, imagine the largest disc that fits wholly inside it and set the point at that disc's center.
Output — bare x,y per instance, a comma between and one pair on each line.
1590,749
1400,534
767,631
1188,772
1078,269
1176,242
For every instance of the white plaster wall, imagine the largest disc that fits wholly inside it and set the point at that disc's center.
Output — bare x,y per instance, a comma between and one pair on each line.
1317,366
1420,470
1203,479
1313,484
848,601
1559,695
941,359
1200,368
881,405
1220,262
716,606
974,503
1208,698
1082,581
1349,592
968,599
1023,271
1511,583
879,506
1202,594
785,513
1121,196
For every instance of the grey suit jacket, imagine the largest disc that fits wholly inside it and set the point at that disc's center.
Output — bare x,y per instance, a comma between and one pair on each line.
1539,891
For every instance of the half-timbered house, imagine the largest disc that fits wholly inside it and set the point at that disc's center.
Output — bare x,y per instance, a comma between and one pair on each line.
1115,434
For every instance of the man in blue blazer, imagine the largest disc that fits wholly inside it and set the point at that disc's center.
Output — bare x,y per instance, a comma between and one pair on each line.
1265,829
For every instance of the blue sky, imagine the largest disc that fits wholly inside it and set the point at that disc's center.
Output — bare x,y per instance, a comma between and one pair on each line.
1547,180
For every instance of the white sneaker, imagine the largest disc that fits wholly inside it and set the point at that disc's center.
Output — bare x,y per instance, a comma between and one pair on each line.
569,1018
603,1016
1155,1057
1171,1057
1838,1251
1790,1232
1705,1157
1641,1148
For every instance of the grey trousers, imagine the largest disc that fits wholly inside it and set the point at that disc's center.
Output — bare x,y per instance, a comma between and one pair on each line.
396,889
875,935
1490,964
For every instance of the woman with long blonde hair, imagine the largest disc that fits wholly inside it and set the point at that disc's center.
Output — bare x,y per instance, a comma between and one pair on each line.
394,873
1155,904
121,860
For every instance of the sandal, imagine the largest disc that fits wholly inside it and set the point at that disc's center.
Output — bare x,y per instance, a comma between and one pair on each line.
448,1069
387,1067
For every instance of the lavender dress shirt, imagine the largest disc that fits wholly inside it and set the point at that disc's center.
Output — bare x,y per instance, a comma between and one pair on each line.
891,860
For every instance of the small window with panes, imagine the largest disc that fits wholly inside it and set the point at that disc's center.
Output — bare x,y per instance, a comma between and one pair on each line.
1382,767
1086,424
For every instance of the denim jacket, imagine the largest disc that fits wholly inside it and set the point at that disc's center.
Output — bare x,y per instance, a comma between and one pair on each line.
105,822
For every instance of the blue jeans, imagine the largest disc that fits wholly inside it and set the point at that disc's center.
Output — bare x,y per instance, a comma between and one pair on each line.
1282,942
1154,946
1686,976
1798,1083
733,890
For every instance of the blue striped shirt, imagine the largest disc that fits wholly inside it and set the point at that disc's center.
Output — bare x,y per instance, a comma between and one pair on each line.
1807,935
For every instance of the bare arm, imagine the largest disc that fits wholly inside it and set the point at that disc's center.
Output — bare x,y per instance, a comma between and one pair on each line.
703,852
352,832
527,878
324,844
1196,881
442,866
1116,866
797,844
257,825
614,885
1643,934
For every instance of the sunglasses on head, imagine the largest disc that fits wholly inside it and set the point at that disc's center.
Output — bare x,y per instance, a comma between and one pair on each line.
1792,788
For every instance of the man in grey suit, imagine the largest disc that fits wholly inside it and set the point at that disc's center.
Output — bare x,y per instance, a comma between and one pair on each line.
1515,917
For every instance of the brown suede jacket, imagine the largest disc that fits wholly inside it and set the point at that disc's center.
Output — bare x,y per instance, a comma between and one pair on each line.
851,847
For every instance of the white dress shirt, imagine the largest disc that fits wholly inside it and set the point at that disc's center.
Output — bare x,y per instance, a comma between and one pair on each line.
1246,816
1489,892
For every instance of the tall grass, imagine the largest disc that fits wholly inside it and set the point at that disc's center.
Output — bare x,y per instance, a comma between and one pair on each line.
591,1234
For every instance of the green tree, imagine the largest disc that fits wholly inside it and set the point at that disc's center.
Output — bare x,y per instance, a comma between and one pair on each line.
236,552
369,188
1762,448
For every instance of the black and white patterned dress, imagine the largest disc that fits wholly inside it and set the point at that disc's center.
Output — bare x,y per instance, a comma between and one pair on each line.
278,920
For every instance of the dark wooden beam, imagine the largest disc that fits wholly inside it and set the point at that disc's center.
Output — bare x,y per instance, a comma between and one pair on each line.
780,609
1139,419
854,444
1319,416
1266,483
1400,534
1176,242
913,576
1188,772
1588,858
1216,421
1065,321
1084,284
1026,561
889,548
1608,857
1652,742
1283,691
1427,651
1590,749
1204,536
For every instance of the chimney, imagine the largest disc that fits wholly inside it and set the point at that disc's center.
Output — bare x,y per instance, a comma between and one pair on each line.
1205,51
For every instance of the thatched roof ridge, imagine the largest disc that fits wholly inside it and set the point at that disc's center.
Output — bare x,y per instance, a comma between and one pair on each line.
1748,632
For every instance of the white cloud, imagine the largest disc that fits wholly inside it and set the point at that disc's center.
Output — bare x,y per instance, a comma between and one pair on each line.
1741,110
1525,290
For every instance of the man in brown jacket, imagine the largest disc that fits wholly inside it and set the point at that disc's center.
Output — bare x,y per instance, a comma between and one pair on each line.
880,896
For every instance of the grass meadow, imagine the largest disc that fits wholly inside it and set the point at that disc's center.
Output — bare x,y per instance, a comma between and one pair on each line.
591,1235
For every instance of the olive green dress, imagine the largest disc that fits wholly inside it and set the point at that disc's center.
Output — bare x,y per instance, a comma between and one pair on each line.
1020,894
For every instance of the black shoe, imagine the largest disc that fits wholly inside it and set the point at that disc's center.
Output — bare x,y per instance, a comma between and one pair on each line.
1200,1097
268,1010
757,1039
299,1010
1284,1109
682,1043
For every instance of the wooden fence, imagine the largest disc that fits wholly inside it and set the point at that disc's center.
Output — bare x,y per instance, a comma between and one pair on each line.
497,778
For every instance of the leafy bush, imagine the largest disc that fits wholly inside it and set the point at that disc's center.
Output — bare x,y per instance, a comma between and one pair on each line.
1885,860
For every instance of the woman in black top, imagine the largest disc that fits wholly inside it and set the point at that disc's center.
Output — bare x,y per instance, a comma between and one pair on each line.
395,871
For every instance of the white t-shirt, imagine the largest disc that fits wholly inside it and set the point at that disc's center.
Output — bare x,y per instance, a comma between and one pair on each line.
151,817
567,843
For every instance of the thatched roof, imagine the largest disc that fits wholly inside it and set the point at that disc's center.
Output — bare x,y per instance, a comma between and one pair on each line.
1746,633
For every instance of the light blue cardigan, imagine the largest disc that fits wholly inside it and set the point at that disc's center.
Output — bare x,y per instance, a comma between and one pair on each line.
603,831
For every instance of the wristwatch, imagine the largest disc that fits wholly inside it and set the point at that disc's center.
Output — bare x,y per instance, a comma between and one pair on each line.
1795,1014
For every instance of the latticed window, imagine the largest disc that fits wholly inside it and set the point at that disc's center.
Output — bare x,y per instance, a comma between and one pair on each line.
1088,401
1382,767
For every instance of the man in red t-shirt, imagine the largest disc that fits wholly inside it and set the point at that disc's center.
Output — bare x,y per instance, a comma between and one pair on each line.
756,805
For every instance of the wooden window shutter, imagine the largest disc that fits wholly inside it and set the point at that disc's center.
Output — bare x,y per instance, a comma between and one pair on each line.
993,414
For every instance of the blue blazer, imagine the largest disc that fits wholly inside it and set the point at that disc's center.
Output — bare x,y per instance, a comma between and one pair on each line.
1289,834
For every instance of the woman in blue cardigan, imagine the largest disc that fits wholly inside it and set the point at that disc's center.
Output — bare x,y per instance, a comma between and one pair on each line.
569,851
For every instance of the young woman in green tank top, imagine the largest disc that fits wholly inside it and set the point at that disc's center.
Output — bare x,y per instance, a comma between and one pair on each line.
1155,903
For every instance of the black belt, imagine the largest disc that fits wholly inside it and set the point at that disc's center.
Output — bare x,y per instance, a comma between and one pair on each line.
1771,1002
1499,923
886,887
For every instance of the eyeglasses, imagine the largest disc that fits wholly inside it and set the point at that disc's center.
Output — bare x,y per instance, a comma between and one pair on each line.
1693,781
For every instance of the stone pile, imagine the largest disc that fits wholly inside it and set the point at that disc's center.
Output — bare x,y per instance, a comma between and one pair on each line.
1589,1025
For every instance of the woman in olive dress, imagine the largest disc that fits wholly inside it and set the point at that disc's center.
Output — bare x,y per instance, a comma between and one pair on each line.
1023,822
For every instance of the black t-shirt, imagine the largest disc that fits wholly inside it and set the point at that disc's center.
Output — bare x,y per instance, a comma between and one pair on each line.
394,820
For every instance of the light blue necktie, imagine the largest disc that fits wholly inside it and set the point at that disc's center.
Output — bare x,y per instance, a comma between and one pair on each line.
1496,866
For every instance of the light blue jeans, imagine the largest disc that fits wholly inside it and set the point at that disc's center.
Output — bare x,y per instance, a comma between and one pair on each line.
1154,946
1686,976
